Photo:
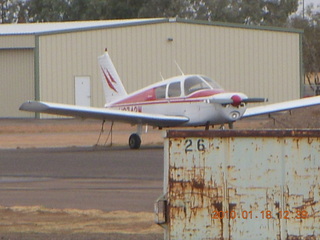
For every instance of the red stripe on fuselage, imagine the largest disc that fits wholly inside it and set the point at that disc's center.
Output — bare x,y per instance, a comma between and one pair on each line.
205,93
148,97
159,101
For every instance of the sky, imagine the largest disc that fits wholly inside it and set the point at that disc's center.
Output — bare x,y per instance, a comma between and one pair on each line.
316,3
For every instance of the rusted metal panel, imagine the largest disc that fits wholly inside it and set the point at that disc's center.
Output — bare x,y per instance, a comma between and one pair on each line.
245,133
243,184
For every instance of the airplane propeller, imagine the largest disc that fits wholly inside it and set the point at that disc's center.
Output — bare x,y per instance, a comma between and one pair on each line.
236,100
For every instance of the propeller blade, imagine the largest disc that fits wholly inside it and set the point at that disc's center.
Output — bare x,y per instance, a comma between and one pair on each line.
254,100
236,100
221,100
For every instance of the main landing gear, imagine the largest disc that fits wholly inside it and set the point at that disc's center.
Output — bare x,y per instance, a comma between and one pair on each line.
134,141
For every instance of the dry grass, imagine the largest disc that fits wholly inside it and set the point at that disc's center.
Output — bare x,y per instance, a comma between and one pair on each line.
22,219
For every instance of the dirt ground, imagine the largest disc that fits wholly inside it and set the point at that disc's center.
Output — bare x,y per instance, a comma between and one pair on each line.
37,222
35,133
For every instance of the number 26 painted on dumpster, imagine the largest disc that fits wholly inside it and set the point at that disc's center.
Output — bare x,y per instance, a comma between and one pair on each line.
189,145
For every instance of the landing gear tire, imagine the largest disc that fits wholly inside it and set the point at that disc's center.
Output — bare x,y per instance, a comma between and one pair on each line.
134,141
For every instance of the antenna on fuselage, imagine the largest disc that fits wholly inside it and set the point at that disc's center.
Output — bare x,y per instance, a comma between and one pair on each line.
161,76
179,67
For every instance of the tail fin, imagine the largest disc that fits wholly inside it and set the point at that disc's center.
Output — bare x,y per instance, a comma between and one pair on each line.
112,85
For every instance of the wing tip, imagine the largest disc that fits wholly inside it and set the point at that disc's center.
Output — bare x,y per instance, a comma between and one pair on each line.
33,106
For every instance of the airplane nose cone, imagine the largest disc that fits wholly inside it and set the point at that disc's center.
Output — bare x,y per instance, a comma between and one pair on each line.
236,100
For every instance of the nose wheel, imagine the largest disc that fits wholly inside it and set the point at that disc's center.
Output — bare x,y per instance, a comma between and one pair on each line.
134,141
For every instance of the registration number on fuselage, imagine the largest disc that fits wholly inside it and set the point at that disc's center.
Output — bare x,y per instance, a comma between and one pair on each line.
131,108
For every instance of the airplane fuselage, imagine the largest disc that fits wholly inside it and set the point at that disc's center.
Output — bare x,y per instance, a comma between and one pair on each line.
178,97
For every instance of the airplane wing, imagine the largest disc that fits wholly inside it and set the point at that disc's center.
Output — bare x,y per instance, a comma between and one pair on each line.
103,114
282,106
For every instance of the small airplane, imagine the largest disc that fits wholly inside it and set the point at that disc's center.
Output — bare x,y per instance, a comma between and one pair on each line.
181,101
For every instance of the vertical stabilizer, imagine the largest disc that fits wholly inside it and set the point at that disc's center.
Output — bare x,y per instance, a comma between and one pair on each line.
112,85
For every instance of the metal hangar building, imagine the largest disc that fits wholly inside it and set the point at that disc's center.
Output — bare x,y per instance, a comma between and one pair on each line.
57,62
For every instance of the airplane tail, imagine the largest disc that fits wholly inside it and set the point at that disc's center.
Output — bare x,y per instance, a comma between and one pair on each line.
112,85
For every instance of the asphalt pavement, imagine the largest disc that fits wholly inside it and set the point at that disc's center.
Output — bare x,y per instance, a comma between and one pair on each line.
108,179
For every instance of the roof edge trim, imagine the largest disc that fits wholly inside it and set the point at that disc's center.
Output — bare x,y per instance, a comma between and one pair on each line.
116,25
238,25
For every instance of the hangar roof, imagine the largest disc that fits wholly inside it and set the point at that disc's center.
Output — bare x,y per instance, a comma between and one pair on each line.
53,27
59,27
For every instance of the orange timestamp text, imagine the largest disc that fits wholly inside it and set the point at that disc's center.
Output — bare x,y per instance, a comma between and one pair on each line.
265,214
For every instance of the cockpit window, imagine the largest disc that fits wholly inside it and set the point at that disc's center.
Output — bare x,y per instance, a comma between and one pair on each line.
212,83
193,84
174,90
161,92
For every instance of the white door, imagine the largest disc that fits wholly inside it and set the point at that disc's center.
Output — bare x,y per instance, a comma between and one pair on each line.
82,91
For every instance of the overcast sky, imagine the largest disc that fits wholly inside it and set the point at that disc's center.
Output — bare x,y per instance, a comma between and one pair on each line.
307,2
316,4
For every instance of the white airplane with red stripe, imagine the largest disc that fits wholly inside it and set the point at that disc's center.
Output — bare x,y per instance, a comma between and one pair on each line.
182,101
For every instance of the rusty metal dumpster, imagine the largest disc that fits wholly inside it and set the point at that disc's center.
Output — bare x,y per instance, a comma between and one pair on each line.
233,184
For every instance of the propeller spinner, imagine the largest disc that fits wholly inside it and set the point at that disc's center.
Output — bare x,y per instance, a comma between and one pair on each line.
236,100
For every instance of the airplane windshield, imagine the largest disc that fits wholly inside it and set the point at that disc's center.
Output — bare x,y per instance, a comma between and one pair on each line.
196,83
212,83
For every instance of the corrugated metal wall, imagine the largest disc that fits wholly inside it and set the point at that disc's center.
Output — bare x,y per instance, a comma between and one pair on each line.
17,42
257,62
261,63
138,53
16,81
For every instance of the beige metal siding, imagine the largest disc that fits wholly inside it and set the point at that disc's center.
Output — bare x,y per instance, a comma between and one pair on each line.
257,62
69,54
16,81
260,63
17,41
